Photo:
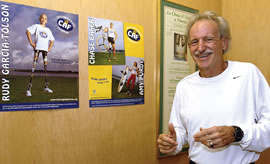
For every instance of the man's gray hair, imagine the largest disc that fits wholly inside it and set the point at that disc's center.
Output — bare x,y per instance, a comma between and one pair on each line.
223,25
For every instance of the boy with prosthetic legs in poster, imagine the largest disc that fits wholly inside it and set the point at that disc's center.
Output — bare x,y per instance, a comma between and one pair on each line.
43,44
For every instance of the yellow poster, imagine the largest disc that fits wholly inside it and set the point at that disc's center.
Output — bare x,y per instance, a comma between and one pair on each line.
115,63
100,82
134,40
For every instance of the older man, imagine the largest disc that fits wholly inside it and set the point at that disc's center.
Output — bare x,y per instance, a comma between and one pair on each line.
223,110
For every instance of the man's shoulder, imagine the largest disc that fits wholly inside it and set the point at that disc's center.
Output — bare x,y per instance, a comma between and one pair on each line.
244,69
189,78
242,66
240,63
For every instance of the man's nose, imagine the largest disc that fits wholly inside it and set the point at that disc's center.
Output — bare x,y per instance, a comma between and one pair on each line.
201,45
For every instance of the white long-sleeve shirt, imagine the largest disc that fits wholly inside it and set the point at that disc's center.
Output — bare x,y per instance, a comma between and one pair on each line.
238,96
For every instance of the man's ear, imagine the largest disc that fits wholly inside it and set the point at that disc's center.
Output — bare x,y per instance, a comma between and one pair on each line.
225,43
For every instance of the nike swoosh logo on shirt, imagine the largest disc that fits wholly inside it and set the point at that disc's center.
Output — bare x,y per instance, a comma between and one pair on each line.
235,77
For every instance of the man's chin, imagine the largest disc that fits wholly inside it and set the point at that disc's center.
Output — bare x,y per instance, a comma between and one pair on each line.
203,65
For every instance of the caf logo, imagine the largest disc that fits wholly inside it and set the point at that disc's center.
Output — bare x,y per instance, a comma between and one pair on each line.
43,34
133,35
65,24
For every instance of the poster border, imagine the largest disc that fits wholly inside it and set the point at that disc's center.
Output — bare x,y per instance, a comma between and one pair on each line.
50,104
127,99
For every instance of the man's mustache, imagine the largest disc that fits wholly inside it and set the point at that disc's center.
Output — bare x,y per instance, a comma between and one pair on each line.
206,52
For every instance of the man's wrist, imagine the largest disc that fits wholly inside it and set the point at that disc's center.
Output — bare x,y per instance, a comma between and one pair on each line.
238,134
232,133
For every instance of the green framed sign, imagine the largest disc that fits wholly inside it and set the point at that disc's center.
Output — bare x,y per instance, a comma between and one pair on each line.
175,59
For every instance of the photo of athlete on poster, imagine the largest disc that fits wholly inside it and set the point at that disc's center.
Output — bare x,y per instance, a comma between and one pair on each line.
41,58
132,78
127,79
112,37
106,42
43,44
112,83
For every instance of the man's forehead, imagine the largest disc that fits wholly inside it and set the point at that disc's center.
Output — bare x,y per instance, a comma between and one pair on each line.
204,26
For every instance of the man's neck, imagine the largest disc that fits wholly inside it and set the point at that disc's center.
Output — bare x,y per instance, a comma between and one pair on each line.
207,73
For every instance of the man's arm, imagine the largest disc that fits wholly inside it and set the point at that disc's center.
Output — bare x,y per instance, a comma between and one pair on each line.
256,136
215,137
167,142
178,126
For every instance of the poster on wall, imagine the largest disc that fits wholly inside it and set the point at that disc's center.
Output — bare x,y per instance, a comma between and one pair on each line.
115,63
39,58
175,60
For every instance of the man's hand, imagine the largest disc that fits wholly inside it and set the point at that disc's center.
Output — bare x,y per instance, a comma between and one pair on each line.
215,137
167,142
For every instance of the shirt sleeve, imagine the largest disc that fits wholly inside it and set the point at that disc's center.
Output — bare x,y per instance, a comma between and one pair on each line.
51,37
175,119
257,136
32,29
